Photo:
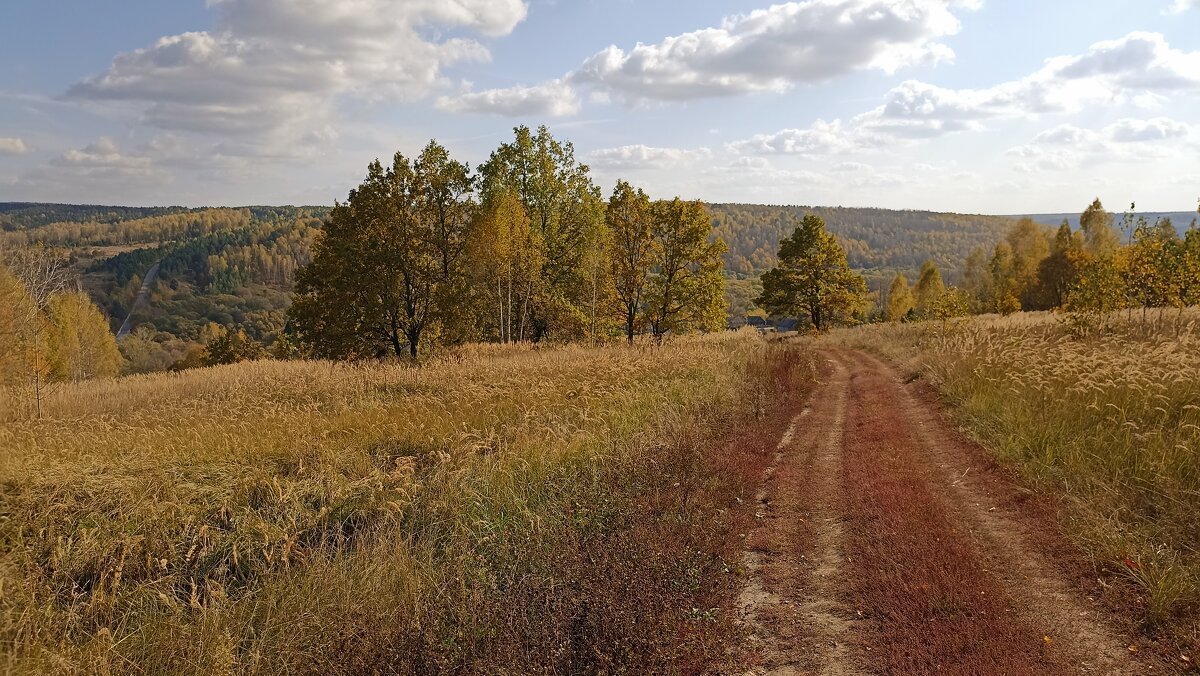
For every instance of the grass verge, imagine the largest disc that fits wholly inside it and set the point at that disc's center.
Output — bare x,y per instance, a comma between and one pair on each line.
503,510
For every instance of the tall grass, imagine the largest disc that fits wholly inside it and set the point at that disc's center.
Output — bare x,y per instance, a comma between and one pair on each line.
503,509
1110,421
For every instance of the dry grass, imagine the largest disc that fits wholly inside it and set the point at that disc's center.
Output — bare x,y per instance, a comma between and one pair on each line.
503,509
1110,422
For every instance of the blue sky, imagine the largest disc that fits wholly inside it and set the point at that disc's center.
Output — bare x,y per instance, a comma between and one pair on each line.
991,106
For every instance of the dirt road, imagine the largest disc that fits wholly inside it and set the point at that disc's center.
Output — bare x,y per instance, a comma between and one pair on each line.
886,545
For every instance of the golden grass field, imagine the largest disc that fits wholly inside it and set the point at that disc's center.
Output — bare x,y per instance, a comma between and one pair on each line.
551,509
1111,422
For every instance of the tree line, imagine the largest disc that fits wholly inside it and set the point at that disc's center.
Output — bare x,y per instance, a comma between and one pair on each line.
525,249
1089,272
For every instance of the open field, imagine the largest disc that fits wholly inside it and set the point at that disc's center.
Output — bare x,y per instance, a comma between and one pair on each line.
504,509
1106,427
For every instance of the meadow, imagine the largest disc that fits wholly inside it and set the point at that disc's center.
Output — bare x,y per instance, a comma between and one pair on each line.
1108,423
499,509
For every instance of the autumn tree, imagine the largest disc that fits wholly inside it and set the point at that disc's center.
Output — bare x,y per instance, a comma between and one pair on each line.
632,247
387,268
508,253
1006,294
1096,224
16,311
928,289
43,273
1030,246
977,280
565,213
900,299
1152,264
231,347
1059,271
813,278
80,345
686,288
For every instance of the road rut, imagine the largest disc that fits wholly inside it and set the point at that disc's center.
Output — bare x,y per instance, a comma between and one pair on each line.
881,548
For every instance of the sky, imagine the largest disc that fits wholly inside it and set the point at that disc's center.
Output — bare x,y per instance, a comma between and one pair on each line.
979,106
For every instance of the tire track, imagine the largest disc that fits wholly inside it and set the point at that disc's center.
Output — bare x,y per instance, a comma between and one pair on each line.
1090,646
882,547
797,621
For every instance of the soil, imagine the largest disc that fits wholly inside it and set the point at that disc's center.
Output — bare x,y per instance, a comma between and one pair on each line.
887,543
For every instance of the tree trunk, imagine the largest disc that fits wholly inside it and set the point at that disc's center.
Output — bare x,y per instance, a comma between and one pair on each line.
414,340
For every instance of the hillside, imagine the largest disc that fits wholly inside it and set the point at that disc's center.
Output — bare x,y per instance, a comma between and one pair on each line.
230,267
875,239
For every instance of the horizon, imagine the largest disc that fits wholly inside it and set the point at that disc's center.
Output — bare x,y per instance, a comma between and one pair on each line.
1065,212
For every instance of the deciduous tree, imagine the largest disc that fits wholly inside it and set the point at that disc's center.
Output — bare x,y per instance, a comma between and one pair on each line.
1096,224
813,278
900,299
929,288
565,212
686,289
387,268
632,246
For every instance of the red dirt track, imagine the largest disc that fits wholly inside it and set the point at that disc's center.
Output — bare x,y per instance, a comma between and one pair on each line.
886,545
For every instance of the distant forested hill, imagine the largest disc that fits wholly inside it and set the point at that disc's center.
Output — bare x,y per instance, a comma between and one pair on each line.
875,239
230,267
19,215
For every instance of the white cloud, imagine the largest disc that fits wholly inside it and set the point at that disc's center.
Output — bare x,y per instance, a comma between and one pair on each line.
104,157
93,173
1181,6
822,138
775,48
12,146
633,157
1068,147
274,67
1157,129
553,99
850,168
1136,68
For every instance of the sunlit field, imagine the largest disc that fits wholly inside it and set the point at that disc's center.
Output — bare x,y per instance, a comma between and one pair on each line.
1110,420
502,508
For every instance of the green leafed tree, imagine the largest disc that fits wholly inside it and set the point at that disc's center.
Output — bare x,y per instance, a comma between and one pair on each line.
631,252
386,272
565,213
813,278
686,288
